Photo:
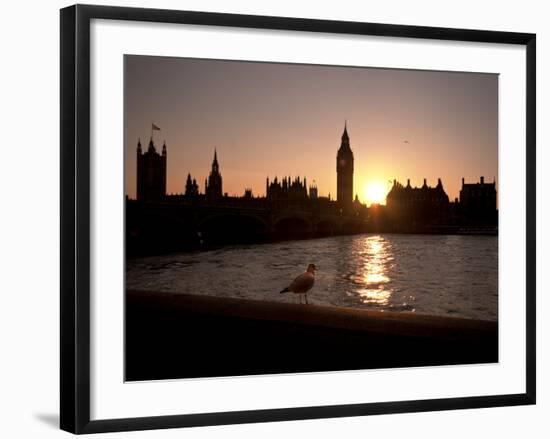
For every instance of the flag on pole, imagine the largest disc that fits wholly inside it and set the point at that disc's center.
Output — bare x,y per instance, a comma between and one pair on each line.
154,127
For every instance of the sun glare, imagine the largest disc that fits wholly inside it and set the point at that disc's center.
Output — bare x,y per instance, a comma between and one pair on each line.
375,192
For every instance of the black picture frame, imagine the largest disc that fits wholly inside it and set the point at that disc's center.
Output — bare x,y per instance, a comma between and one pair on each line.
75,217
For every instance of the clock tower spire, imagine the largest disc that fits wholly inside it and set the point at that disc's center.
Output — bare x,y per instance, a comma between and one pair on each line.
344,171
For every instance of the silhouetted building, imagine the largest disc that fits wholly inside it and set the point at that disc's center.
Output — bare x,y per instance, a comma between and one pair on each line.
191,187
478,202
151,173
417,206
213,186
291,208
287,190
344,171
313,192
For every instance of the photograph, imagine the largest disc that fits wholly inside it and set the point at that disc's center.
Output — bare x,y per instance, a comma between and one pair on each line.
284,218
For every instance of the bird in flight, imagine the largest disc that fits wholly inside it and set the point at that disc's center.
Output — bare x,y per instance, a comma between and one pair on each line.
303,283
406,141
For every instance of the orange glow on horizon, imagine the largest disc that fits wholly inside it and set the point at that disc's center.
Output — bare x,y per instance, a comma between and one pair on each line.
280,119
374,192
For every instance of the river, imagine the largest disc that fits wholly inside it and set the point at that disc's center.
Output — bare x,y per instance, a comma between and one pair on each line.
444,275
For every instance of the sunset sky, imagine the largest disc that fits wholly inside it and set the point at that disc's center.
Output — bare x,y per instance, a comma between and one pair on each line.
268,119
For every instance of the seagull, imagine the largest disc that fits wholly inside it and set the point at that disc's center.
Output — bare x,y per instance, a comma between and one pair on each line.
406,141
303,283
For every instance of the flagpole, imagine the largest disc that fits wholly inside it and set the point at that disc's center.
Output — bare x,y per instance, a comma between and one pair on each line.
153,128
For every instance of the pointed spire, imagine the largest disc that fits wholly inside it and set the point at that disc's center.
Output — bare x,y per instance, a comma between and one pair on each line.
345,146
215,165
345,133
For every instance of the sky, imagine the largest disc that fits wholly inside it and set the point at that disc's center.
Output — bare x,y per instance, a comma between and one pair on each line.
276,119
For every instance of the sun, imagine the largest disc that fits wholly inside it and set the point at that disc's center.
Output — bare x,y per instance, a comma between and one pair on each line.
374,192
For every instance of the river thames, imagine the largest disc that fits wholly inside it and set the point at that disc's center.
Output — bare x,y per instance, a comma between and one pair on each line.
444,275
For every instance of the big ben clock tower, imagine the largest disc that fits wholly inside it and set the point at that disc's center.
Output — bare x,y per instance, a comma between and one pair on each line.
344,172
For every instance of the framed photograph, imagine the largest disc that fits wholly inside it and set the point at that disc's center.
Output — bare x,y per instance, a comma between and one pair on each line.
268,218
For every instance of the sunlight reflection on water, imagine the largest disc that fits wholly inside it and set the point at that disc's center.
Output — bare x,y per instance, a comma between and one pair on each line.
375,260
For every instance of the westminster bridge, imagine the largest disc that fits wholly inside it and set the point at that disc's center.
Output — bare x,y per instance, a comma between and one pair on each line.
182,225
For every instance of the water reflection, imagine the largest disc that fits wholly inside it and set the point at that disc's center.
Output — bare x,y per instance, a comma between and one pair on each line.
375,261
427,274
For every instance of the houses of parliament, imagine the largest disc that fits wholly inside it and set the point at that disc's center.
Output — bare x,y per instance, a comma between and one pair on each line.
151,182
407,208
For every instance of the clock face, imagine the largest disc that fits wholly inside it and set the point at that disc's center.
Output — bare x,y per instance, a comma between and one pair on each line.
342,162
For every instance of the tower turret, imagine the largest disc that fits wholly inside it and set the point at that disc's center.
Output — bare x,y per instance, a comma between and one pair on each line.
215,165
344,171
151,147
191,187
151,173
214,187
